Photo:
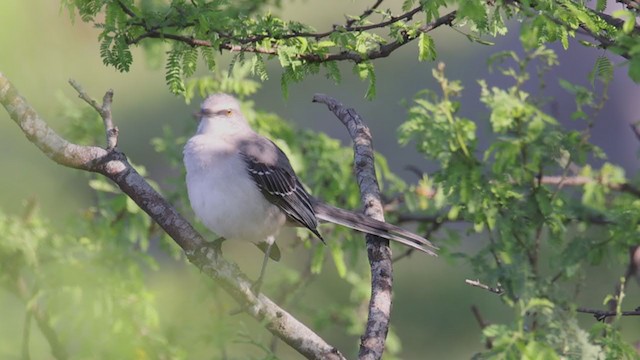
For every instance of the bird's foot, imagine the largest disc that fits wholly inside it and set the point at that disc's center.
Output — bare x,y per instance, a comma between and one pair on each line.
255,289
215,245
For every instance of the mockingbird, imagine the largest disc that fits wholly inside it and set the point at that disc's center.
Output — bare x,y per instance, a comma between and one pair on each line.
242,186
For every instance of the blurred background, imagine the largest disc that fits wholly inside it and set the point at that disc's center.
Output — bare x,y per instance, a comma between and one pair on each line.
40,49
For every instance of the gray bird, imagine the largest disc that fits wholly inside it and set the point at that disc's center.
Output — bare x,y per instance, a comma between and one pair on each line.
242,186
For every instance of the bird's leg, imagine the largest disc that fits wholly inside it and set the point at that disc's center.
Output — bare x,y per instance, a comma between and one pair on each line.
255,288
258,284
216,244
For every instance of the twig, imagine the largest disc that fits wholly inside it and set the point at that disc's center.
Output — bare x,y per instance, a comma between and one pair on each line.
632,267
104,110
636,130
482,323
37,313
496,290
415,170
114,165
583,180
26,336
434,227
364,15
601,315
372,342
126,9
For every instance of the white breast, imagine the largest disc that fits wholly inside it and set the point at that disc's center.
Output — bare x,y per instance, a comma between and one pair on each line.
222,194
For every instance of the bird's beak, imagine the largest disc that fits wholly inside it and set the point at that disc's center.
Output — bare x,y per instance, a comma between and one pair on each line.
198,115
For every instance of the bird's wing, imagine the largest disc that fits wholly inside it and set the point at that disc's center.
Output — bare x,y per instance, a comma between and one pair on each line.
271,170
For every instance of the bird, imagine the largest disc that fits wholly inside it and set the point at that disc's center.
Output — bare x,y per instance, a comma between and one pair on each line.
242,186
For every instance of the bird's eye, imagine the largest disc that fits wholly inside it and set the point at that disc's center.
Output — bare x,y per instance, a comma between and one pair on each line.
228,112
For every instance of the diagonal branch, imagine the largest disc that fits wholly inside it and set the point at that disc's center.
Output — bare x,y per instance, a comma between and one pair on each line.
113,164
372,342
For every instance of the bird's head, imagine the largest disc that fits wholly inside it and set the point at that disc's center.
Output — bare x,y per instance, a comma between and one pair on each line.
220,113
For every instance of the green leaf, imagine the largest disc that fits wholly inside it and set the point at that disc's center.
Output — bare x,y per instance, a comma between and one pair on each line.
338,258
495,330
173,71
318,260
602,70
634,69
426,48
365,71
333,72
189,61
103,186
629,19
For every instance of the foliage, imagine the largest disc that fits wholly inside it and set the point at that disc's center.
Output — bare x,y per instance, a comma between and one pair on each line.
241,27
540,208
506,193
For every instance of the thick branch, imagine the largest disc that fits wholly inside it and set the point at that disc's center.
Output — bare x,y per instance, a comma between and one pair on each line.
372,341
114,165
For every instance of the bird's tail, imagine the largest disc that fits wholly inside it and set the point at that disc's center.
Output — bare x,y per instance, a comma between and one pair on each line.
368,225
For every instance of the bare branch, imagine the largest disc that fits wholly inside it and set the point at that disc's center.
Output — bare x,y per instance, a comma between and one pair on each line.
482,323
372,342
114,165
496,290
104,110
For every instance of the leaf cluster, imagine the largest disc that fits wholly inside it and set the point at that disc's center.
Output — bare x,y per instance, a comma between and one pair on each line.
540,237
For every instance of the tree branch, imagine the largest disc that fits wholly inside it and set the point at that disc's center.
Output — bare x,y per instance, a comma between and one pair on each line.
244,43
601,315
364,15
583,180
372,342
482,323
113,164
104,110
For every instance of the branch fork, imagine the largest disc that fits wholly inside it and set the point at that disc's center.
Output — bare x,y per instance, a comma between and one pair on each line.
113,164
